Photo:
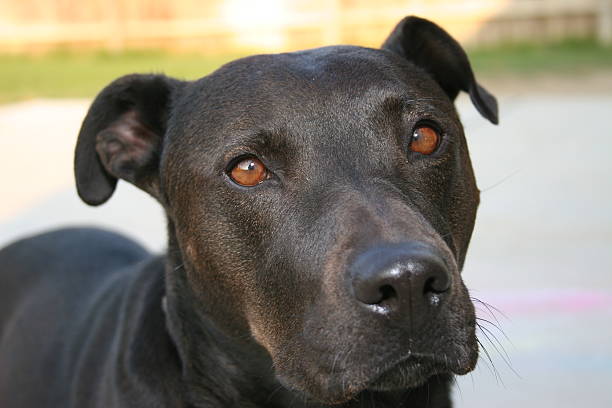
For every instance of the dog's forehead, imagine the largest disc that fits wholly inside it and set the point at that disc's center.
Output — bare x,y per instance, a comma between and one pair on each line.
281,84
326,94
336,68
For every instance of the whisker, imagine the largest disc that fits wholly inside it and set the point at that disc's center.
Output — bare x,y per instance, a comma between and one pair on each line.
505,357
346,357
405,397
333,367
490,308
277,389
494,369
458,387
503,180
497,327
490,368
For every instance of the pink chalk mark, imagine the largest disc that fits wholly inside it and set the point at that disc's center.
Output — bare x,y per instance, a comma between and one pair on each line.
549,301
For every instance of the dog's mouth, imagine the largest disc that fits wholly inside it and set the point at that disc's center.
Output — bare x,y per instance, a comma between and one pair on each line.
361,358
404,373
409,372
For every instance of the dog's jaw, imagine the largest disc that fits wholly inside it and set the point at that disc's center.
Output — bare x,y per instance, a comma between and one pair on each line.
200,344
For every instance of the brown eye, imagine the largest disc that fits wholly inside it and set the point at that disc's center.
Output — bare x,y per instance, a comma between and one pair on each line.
249,172
425,140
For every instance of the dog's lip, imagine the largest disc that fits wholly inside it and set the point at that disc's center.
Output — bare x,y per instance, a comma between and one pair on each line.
427,364
397,372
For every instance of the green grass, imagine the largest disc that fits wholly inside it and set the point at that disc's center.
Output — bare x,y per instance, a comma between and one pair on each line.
72,74
564,58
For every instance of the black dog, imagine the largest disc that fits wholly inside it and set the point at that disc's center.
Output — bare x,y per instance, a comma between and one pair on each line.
319,208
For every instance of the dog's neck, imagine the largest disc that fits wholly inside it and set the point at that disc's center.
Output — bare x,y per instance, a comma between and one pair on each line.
220,371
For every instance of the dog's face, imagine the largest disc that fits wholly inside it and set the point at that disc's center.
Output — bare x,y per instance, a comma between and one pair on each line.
322,202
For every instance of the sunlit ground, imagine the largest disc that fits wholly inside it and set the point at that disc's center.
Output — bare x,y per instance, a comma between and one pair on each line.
541,251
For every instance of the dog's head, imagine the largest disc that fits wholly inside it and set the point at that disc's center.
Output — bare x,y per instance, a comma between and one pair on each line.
322,202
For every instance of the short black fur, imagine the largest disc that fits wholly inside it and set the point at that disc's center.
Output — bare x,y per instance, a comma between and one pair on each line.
259,300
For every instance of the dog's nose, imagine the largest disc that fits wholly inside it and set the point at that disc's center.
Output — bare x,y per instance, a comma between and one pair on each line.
408,279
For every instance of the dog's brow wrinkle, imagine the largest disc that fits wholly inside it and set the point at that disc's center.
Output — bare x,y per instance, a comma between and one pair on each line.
263,141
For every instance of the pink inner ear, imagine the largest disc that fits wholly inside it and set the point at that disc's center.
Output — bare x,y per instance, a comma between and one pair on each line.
127,148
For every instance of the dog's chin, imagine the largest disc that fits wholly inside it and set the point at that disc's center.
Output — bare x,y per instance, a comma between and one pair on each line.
415,371
410,372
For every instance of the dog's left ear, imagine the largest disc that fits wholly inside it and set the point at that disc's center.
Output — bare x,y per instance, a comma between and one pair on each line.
430,47
121,136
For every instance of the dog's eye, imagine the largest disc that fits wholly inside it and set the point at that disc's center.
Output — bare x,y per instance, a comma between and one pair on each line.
249,172
425,140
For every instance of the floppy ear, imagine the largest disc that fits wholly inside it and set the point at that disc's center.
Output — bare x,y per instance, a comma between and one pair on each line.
430,47
121,137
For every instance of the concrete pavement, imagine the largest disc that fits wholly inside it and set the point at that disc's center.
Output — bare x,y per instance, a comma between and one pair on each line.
541,251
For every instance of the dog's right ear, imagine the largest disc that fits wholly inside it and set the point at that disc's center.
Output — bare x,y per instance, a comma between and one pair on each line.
121,136
430,47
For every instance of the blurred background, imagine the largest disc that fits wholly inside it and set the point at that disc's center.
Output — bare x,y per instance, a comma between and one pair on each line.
541,254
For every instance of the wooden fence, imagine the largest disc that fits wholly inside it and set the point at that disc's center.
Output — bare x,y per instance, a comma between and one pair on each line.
215,26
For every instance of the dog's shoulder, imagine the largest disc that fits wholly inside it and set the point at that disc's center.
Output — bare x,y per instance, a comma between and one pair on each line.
73,247
90,301
63,261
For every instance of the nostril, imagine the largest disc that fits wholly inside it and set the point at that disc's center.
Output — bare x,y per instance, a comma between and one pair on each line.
435,285
429,286
400,278
387,292
432,291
